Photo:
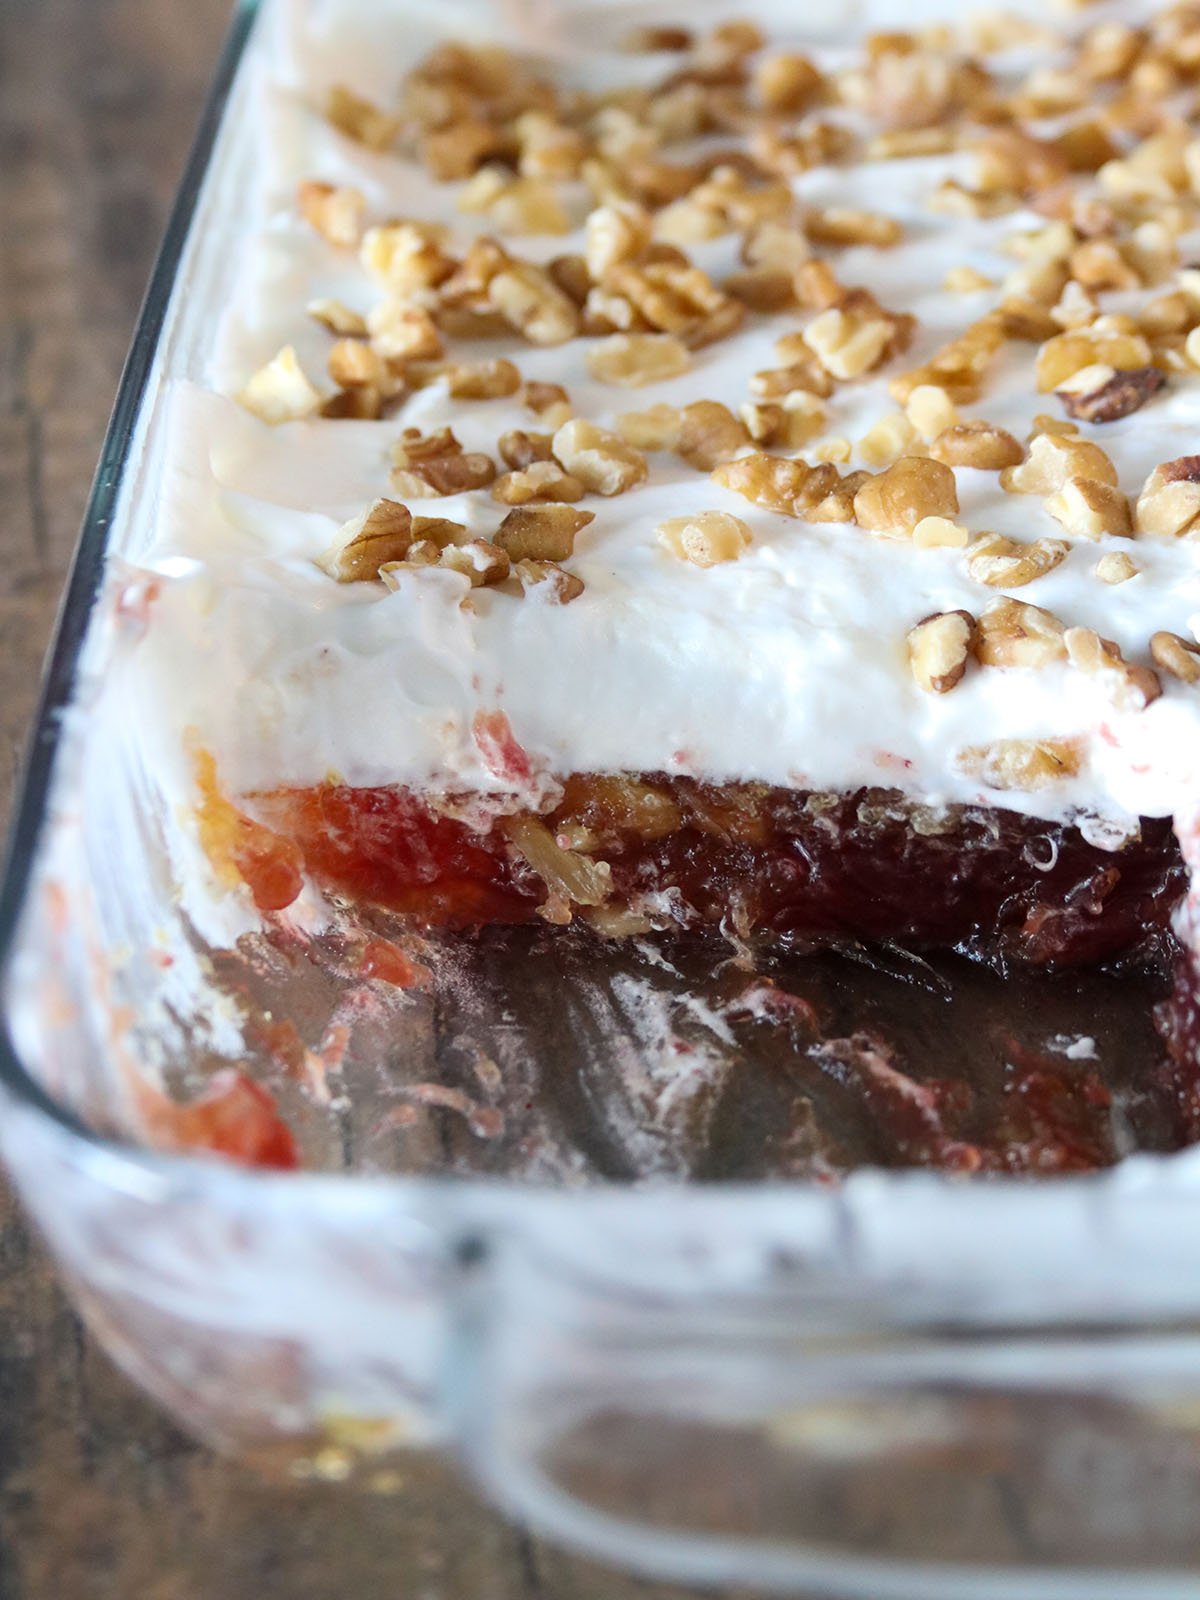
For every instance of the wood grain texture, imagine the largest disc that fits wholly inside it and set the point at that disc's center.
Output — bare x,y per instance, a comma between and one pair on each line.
100,1497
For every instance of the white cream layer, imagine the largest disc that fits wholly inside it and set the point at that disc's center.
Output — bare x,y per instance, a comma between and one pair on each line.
788,666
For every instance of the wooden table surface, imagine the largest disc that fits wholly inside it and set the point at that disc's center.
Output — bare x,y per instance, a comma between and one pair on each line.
100,1497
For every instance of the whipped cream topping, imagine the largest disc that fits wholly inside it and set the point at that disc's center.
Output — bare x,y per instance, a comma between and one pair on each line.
787,666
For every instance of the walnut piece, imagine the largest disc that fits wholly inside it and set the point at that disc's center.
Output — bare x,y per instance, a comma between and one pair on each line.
530,301
338,318
1026,764
976,444
1004,564
1169,504
519,449
541,533
540,480
656,428
1013,633
849,344
1179,657
935,533
280,391
481,380
1091,510
335,212
938,648
1115,567
1052,459
913,488
634,359
709,433
1117,396
548,581
380,534
705,538
1130,688
602,461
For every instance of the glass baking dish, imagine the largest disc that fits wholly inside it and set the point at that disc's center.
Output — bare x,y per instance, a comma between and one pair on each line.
512,1244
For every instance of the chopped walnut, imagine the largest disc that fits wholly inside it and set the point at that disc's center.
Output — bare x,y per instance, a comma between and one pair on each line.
516,205
479,560
959,366
459,149
1066,353
938,648
360,120
775,247
528,298
1028,764
353,362
1013,633
654,429
444,475
705,538
1130,688
976,444
966,280
890,437
931,411
548,402
936,533
1004,564
1117,396
1052,459
406,256
404,333
847,345
709,433
836,449
549,582
788,82
519,449
649,40
1091,510
335,212
382,533
1115,567
280,391
602,461
764,289
540,480
775,482
437,531
481,380
615,234
1169,504
338,318
1179,657
910,490
841,225
541,533
634,359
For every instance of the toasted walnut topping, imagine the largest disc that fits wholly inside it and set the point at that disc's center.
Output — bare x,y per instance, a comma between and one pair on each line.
1052,459
777,383
1129,688
1012,633
519,449
336,213
481,380
634,359
414,446
848,345
938,648
548,402
549,582
775,482
1179,657
958,367
358,119
541,480
459,149
793,422
1115,397
480,561
1115,567
338,318
438,531
709,433
654,429
1004,564
352,362
1066,353
615,234
764,289
837,448
516,205
382,533
842,225
936,533
775,247
930,410
444,475
404,333
706,538
529,299
788,83
1028,764
914,488
976,444
966,280
889,438
1091,510
602,461
541,533
1169,504
280,391
406,256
